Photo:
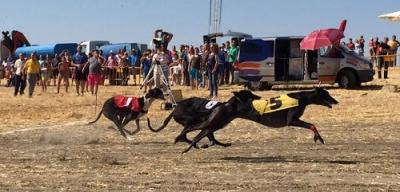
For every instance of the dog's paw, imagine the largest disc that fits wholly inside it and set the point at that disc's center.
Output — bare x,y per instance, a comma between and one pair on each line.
129,138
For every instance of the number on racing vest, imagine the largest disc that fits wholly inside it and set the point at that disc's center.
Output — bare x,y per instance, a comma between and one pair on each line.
273,104
211,104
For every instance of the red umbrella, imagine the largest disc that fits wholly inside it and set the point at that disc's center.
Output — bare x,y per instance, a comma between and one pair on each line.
323,37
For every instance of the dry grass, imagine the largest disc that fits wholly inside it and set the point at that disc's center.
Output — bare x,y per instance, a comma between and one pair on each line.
46,145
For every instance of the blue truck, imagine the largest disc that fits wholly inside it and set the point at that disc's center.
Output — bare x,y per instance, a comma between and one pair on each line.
49,49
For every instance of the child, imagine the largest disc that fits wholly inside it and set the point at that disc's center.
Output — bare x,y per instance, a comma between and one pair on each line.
63,68
44,72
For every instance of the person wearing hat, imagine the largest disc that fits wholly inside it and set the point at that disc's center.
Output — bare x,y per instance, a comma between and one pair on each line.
32,71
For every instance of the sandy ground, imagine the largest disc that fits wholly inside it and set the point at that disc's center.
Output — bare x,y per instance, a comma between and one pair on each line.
45,145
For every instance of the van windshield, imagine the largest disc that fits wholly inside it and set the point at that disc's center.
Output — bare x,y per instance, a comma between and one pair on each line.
345,48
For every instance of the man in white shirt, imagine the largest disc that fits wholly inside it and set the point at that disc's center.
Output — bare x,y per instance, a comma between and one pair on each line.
20,80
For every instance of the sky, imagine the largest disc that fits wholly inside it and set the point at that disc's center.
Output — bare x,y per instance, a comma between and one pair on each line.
68,21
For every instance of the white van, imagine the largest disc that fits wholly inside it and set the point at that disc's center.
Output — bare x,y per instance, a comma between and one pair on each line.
88,46
265,62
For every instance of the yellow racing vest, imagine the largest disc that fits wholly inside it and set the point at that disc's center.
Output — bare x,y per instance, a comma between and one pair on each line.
274,104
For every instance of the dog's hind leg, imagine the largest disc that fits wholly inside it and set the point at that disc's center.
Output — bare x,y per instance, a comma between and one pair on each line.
126,121
214,141
300,123
117,121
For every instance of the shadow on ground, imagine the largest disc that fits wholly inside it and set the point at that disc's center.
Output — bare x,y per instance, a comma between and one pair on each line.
281,159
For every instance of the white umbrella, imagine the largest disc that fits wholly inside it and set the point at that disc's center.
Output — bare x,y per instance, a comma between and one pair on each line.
395,16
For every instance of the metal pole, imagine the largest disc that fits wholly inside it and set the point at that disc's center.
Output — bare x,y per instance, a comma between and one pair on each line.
209,18
220,16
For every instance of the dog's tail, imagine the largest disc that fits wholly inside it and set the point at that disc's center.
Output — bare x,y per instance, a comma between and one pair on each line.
98,117
166,121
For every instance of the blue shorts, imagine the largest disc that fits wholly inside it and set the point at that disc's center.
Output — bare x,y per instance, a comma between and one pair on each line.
221,69
194,73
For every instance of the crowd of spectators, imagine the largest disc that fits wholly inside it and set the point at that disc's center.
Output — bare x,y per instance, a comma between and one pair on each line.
382,53
206,66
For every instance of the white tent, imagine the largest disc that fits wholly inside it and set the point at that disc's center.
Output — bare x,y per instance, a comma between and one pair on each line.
395,16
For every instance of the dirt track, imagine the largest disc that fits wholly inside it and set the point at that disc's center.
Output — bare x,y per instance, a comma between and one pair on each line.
362,151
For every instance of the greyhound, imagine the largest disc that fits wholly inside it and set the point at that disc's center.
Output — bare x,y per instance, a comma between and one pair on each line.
275,116
121,110
196,110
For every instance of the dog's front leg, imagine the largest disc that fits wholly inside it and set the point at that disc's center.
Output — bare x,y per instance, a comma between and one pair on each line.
137,126
300,123
196,139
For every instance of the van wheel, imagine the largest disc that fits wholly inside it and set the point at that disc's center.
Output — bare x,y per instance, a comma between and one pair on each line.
347,80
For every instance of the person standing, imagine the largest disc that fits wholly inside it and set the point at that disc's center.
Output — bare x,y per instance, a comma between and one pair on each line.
233,51
54,65
134,60
384,49
124,65
212,69
377,50
361,45
226,67
371,48
32,70
162,58
221,62
203,67
194,64
44,72
146,65
184,61
63,74
350,44
394,44
20,77
94,72
78,61
8,63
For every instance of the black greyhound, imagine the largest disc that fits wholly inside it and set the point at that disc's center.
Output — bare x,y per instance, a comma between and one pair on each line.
121,116
196,110
290,116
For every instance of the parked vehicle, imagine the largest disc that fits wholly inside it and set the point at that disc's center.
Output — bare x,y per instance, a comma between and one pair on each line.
88,46
265,62
125,46
238,36
50,49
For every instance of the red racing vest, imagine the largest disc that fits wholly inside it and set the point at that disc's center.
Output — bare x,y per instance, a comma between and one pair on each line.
127,102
